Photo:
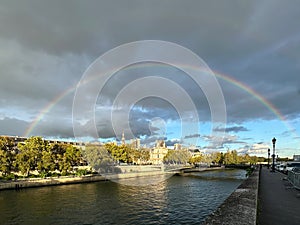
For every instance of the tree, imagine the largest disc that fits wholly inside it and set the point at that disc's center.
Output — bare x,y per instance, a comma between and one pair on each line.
144,155
177,156
30,154
245,159
70,158
196,159
217,157
4,162
99,159
121,153
6,143
7,155
25,160
46,164
253,159
73,155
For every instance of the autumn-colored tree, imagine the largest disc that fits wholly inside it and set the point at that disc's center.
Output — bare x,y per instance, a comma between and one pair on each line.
231,157
177,156
196,159
217,157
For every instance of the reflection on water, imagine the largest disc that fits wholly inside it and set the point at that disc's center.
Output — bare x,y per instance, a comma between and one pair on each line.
180,200
143,181
228,174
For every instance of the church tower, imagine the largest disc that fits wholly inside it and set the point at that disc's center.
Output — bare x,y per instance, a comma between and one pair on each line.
123,138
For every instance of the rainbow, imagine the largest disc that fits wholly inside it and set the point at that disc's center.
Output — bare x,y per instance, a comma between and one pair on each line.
222,76
250,91
46,109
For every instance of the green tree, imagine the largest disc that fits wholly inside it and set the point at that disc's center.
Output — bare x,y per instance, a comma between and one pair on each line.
99,159
121,153
73,155
196,159
253,160
46,164
177,156
58,150
25,160
217,157
70,158
7,155
245,159
4,162
30,154
231,157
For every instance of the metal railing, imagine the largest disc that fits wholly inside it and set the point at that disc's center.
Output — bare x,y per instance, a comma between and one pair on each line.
294,178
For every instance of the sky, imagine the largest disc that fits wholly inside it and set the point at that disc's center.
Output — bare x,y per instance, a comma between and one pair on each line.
52,84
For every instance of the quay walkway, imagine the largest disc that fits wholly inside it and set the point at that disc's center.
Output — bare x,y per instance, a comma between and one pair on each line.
278,200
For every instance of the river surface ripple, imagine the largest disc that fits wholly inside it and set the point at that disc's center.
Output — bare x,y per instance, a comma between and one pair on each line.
178,200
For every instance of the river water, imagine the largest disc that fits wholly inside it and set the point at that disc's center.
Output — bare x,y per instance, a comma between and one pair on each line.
178,200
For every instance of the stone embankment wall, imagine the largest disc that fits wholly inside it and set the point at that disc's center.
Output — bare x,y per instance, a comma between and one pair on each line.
40,182
240,207
127,172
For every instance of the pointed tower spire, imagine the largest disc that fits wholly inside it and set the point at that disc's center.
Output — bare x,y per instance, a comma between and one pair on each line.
123,138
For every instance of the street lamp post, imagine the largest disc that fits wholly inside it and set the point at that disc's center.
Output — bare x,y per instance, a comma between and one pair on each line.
268,158
273,156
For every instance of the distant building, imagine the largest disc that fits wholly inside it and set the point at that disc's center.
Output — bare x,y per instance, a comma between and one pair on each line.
135,143
177,146
195,152
158,153
296,158
123,138
22,140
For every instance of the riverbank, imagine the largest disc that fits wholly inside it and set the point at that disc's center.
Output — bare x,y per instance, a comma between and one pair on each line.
51,181
187,171
178,200
127,172
240,207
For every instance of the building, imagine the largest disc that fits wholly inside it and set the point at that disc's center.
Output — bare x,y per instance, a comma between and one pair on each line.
135,143
177,146
195,152
296,158
158,153
22,140
123,141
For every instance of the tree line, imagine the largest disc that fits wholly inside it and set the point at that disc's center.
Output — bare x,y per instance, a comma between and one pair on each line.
36,154
228,158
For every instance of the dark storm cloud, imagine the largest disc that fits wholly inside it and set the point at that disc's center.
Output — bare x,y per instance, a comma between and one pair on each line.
234,129
172,142
47,46
192,136
12,126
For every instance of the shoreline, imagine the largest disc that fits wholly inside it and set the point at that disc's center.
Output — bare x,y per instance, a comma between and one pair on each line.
55,181
240,207
49,181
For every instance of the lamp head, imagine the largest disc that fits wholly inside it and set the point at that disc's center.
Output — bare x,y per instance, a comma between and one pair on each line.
274,140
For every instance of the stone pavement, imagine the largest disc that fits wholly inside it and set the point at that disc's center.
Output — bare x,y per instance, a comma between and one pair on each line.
278,201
